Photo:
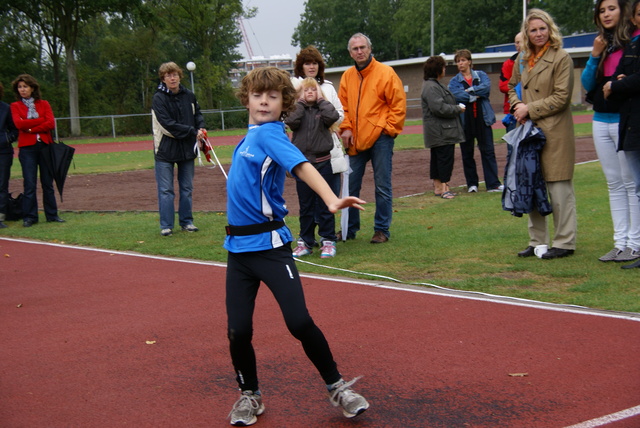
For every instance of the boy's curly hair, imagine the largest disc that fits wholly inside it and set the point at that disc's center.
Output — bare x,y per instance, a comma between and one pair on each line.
268,79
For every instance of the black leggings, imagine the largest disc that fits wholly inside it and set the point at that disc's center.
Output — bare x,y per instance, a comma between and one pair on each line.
277,269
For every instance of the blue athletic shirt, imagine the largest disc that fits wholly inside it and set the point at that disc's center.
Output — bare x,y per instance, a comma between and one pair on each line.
256,183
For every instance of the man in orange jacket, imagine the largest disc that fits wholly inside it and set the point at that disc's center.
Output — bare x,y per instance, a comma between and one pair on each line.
375,106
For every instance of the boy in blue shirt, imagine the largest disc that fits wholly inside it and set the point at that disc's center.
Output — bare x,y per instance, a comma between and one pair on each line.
259,243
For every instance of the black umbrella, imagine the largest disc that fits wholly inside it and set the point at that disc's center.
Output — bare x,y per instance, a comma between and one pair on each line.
58,157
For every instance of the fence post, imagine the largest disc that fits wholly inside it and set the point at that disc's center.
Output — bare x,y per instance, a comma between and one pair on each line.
113,127
222,118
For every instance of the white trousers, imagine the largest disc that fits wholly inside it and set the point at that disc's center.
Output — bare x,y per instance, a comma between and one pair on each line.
623,202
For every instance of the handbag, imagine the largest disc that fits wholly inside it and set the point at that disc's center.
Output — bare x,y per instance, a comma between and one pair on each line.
14,208
338,161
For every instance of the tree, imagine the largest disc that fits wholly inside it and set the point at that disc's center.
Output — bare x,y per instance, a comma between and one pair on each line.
401,28
18,55
572,16
328,24
62,20
209,35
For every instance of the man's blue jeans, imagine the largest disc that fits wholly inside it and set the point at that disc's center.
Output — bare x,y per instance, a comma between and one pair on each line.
381,157
166,195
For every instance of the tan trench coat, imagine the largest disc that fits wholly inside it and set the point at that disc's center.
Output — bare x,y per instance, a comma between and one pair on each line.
547,90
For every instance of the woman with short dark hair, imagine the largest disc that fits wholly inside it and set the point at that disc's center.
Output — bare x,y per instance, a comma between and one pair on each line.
442,126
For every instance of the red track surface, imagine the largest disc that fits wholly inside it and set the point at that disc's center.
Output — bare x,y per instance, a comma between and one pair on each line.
75,325
130,146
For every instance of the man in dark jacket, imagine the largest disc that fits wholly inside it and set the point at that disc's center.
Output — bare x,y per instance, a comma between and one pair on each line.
177,126
8,134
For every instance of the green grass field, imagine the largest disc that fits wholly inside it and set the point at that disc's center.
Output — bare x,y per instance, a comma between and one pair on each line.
468,243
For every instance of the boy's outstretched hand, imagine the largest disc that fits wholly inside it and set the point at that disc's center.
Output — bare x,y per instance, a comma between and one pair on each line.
348,202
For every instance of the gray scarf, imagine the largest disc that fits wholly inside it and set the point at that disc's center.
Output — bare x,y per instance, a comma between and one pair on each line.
31,105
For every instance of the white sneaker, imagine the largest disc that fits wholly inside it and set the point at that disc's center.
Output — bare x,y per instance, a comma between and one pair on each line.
500,188
246,410
473,189
166,232
351,402
301,249
328,250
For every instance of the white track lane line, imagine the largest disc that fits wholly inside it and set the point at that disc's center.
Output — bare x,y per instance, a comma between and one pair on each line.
604,420
388,284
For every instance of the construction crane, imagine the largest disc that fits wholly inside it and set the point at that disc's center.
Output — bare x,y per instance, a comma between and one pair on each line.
245,38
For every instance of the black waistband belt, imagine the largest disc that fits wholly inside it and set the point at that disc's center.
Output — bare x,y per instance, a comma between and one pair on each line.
253,229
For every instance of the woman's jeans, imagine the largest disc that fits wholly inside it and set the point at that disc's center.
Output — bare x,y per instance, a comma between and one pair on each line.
487,156
623,202
166,194
31,158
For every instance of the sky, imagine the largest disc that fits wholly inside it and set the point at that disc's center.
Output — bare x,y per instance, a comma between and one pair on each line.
270,31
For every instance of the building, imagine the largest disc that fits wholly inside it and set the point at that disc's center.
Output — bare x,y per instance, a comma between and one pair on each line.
411,73
236,74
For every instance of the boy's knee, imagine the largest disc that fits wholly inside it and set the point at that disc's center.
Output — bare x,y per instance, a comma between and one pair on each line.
300,329
239,335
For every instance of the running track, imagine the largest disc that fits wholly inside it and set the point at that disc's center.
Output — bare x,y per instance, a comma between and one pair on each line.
95,338
130,146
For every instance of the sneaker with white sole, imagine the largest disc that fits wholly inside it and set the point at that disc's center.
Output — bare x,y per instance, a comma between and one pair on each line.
611,255
473,189
190,228
302,249
166,232
352,403
328,250
246,410
627,255
500,188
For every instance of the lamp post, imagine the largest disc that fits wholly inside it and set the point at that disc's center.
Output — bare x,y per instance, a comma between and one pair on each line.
191,66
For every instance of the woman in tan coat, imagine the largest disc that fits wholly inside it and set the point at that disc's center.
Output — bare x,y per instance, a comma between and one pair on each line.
545,72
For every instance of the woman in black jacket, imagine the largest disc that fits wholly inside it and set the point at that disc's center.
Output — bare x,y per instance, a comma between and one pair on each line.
8,134
626,88
177,125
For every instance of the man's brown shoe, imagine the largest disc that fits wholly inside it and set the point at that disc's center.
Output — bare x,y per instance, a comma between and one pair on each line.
379,238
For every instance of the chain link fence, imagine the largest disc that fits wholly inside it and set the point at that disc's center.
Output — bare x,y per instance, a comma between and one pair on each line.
134,124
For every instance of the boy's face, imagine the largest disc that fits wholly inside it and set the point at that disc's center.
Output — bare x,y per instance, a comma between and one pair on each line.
310,94
264,107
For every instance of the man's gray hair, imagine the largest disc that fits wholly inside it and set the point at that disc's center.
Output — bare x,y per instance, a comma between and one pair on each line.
359,35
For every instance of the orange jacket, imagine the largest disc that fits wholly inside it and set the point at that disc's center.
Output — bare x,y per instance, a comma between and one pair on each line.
374,102
30,129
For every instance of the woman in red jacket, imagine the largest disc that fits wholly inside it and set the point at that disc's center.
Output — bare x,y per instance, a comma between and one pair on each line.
34,119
